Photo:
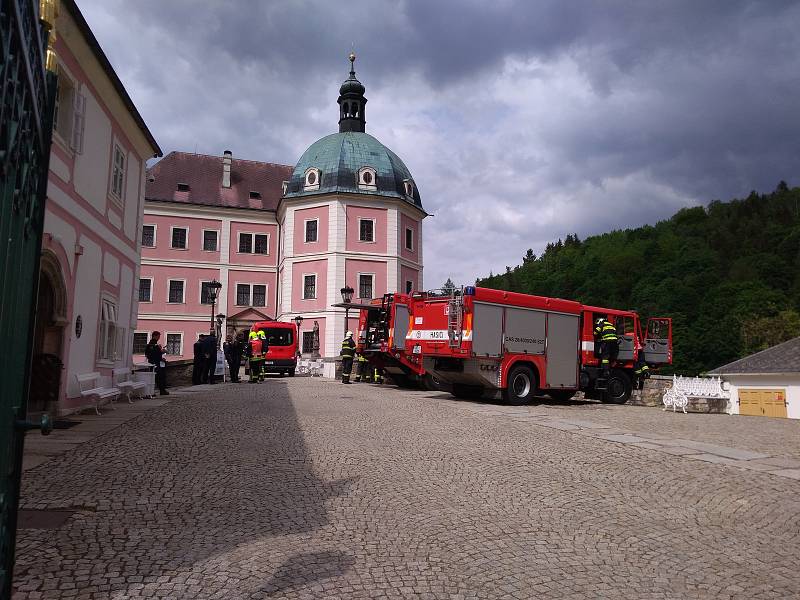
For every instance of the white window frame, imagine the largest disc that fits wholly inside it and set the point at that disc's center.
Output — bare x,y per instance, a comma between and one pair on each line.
358,284
266,295
166,338
303,283
139,331
408,187
311,186
249,294
101,349
374,235
360,179
173,228
255,233
305,230
155,234
150,279
405,239
71,138
183,295
118,196
203,239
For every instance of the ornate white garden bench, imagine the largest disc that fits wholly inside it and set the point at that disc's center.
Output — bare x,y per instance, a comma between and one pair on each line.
92,387
684,388
122,381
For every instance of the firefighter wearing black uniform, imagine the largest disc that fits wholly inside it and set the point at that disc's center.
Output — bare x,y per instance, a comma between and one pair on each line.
607,343
363,368
348,353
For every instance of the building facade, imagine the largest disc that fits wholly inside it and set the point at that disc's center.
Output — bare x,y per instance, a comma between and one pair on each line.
95,203
282,240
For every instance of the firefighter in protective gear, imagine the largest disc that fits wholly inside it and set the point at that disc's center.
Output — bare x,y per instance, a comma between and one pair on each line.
264,348
641,370
362,368
348,353
607,343
254,357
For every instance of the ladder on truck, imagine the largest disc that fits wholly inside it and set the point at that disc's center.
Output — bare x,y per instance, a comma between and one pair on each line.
455,314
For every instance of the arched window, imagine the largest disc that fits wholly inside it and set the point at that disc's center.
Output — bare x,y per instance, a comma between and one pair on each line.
367,178
312,179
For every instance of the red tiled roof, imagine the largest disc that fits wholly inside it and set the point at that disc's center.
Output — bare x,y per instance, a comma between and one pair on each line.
203,175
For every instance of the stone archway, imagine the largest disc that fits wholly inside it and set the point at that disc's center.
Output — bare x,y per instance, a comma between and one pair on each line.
48,338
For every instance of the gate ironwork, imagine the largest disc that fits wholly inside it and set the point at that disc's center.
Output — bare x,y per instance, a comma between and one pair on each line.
27,95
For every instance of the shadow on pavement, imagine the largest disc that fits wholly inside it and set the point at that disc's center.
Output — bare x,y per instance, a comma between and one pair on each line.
307,568
189,488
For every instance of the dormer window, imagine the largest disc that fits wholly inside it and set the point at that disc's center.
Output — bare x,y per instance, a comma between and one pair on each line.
183,187
284,187
312,179
367,178
408,186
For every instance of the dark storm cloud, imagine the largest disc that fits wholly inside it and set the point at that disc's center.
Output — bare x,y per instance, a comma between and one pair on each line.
521,121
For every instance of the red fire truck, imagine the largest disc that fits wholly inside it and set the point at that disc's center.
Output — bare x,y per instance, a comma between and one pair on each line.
382,329
484,341
281,346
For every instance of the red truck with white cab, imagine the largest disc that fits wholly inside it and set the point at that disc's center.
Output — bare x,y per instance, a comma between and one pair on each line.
281,339
483,341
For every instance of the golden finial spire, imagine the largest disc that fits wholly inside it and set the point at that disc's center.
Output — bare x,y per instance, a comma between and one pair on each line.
48,12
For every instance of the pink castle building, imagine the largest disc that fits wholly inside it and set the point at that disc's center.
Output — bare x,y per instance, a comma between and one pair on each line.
282,240
86,311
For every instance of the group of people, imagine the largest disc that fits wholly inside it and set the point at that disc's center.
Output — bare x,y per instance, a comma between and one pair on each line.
205,359
350,355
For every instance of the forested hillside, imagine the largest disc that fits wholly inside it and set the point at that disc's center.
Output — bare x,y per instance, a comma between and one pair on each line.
728,274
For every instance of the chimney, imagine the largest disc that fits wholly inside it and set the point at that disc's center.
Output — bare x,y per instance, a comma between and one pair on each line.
226,168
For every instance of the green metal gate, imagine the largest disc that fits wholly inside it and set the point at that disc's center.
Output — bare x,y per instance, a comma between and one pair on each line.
26,108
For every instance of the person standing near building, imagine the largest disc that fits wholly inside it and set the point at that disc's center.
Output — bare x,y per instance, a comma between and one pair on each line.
264,350
155,356
199,361
233,354
210,354
254,356
363,367
605,336
347,353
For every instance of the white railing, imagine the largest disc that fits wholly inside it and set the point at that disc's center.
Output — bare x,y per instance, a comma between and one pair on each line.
684,388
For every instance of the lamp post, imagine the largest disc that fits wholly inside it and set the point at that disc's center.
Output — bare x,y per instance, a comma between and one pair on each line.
213,292
347,297
220,319
298,320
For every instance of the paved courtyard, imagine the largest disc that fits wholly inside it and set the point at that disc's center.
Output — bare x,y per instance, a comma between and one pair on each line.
302,488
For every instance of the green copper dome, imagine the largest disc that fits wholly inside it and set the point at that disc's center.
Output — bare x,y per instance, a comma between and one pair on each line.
338,163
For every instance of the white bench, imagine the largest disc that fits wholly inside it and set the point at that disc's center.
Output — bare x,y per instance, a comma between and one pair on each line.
684,388
122,381
92,387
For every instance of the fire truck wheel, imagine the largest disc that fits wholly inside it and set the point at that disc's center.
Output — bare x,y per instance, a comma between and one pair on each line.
618,388
403,382
434,385
291,372
521,385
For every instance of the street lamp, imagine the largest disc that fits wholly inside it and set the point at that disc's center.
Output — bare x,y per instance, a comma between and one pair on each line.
213,292
347,297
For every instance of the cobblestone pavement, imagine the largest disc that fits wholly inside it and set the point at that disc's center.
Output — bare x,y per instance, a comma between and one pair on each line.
304,488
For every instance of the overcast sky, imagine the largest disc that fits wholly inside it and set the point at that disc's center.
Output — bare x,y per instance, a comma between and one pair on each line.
521,122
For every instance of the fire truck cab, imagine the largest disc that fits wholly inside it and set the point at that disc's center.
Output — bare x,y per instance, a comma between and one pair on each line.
281,339
484,341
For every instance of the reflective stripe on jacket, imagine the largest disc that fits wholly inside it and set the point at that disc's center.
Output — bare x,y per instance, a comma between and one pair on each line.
606,331
348,348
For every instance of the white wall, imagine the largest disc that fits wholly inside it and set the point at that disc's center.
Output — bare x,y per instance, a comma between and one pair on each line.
92,167
83,350
790,383
133,202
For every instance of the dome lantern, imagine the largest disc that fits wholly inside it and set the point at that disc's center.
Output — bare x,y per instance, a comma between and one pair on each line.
351,102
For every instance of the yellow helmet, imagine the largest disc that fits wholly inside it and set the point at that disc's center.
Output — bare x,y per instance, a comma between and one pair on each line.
253,335
262,335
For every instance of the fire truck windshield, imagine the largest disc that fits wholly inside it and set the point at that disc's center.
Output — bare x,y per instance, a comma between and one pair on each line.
278,337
